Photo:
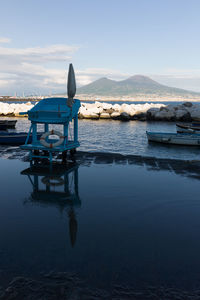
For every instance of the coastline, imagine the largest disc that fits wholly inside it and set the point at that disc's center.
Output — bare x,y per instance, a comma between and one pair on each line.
88,98
177,111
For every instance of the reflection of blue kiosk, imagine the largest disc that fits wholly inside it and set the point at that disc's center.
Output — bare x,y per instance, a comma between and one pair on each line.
54,111
58,187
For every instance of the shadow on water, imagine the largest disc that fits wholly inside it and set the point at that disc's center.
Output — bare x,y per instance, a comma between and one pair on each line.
56,187
129,237
186,168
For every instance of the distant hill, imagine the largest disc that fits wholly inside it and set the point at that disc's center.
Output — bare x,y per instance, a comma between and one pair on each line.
132,86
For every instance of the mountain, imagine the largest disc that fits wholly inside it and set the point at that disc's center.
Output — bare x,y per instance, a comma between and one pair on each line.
132,86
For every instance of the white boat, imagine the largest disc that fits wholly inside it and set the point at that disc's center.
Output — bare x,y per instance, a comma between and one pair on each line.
190,139
181,128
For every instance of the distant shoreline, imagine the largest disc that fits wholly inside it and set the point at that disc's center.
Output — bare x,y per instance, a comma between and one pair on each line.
106,99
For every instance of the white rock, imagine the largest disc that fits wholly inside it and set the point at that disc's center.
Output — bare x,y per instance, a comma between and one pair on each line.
115,115
124,108
98,104
91,115
104,110
96,110
105,116
106,105
116,107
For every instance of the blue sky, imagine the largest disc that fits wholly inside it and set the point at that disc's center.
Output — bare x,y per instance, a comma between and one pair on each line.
116,39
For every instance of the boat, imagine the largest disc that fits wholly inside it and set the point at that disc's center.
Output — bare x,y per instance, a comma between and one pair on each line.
6,124
193,128
16,138
188,139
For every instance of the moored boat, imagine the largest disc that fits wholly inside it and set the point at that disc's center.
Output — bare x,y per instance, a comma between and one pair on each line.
189,139
6,124
181,128
15,138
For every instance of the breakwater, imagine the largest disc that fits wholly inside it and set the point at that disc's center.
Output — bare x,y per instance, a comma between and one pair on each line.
186,111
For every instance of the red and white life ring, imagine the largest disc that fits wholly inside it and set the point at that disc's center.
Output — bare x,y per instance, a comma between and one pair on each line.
51,145
53,180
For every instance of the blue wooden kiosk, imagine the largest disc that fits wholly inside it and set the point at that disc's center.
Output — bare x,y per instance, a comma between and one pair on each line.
54,111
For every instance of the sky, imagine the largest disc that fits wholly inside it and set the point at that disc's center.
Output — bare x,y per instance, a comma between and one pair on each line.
102,38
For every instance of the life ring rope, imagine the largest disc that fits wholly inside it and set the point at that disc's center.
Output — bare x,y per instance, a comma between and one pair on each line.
51,145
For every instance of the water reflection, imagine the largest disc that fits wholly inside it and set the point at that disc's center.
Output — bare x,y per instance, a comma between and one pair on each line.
56,187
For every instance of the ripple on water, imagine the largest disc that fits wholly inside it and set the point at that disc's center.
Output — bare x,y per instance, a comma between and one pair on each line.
125,138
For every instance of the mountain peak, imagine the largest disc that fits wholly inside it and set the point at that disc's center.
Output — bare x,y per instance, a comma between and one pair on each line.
141,79
103,79
134,85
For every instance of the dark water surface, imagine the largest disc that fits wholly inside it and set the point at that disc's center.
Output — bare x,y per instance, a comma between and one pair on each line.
125,138
123,222
131,220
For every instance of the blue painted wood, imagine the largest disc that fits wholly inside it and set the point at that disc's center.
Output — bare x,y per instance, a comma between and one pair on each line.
53,111
15,139
61,148
76,129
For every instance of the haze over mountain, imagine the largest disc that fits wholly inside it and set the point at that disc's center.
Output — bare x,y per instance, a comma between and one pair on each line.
132,86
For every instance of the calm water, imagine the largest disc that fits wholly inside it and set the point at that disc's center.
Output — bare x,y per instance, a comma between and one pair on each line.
132,222
109,223
125,138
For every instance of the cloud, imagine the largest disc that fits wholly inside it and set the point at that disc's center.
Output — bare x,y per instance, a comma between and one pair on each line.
29,69
38,54
44,69
40,70
4,40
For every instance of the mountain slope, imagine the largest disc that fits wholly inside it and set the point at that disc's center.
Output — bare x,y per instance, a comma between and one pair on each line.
134,85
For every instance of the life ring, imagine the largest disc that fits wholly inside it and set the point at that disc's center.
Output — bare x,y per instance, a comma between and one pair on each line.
51,145
57,180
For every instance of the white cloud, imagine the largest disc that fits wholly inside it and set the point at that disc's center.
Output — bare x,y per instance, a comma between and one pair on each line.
4,40
36,70
38,54
4,83
29,69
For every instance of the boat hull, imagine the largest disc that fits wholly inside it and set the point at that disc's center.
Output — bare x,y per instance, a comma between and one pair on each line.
15,139
6,124
180,128
174,138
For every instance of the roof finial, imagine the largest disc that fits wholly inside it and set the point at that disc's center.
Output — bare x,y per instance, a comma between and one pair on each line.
71,86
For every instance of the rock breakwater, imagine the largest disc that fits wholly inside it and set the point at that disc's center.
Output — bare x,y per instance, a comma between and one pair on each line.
186,111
